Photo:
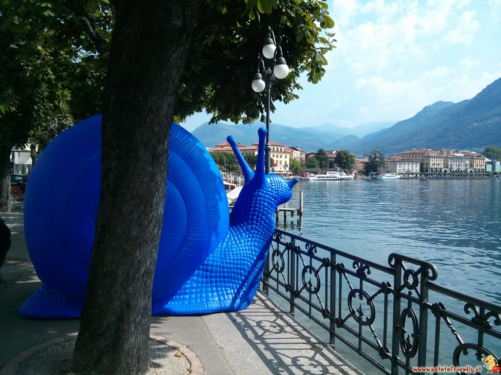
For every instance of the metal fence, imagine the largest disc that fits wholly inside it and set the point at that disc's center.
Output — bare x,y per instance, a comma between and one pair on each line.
398,317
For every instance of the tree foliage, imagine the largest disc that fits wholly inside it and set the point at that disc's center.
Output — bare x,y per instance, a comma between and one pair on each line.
492,152
311,162
49,67
51,74
251,160
345,159
223,57
295,166
322,158
376,161
226,161
55,55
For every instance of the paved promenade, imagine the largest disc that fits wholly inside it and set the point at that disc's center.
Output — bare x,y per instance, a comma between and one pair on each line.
257,341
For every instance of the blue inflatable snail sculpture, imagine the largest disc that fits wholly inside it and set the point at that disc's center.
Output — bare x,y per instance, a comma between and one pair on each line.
208,260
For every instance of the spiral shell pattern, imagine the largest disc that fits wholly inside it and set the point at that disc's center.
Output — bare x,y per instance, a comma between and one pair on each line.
62,201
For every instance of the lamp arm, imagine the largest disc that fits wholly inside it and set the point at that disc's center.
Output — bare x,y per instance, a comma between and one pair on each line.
272,34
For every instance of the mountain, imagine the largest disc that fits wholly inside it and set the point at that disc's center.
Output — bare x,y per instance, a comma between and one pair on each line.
309,139
360,130
468,125
345,143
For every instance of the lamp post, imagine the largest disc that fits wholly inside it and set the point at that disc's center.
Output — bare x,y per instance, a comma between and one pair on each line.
279,69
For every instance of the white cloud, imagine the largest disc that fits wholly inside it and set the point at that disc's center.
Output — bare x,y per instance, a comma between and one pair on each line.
343,10
495,9
465,30
468,63
430,75
466,87
402,99
380,35
394,57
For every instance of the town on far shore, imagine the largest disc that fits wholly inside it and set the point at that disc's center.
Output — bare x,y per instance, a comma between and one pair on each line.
290,160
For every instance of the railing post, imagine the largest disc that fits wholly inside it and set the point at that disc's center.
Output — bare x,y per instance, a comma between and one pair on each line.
423,318
395,346
301,203
266,272
292,276
332,312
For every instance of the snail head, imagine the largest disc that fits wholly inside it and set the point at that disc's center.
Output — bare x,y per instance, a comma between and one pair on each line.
273,189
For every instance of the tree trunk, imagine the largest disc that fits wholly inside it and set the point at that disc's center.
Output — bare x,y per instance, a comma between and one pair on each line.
5,177
149,47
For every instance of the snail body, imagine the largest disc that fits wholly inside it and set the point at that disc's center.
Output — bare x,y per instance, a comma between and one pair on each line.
208,260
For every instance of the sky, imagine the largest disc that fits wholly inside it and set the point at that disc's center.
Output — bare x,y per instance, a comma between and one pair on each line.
393,58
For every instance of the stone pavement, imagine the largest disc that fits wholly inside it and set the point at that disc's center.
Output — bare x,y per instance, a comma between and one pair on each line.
257,341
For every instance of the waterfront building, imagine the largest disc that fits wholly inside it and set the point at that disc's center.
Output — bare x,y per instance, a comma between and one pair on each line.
432,161
414,155
224,147
446,161
280,155
331,157
397,164
296,153
457,162
492,165
360,163
477,162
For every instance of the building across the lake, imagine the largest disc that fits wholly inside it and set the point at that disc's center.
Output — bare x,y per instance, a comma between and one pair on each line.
442,161
397,164
280,154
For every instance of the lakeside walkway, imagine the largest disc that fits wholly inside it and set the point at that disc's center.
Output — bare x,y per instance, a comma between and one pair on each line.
257,341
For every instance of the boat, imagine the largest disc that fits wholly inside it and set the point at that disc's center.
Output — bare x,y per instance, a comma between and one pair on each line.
388,176
328,176
346,176
232,192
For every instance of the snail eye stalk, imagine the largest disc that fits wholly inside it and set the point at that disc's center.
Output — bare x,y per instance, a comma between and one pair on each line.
246,170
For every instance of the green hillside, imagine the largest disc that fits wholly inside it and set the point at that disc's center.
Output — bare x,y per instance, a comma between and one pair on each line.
468,125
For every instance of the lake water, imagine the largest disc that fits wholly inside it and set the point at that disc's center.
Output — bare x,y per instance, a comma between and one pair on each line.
453,223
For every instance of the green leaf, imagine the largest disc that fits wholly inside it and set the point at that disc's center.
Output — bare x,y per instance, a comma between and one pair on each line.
327,22
264,6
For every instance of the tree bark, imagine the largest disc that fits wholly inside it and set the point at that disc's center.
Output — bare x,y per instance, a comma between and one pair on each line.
148,50
5,176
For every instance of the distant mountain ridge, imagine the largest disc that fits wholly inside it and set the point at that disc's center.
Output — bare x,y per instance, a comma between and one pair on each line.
471,124
307,138
468,125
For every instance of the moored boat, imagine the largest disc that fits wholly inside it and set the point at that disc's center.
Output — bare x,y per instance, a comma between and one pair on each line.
388,176
346,176
327,176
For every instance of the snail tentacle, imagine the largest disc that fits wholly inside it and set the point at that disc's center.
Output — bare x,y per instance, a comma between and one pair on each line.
246,170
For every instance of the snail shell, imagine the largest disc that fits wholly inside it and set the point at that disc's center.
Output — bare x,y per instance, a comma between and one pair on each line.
62,201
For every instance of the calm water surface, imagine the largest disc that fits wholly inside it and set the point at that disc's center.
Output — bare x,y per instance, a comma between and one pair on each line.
453,223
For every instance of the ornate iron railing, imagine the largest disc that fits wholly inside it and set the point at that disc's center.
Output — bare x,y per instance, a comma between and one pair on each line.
397,317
